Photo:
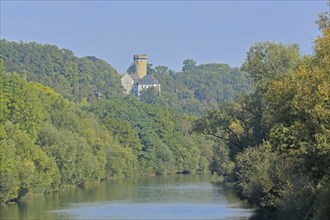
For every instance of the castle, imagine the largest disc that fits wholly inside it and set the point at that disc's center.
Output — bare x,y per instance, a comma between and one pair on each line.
140,80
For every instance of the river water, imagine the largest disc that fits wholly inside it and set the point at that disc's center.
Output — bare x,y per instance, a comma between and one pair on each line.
159,197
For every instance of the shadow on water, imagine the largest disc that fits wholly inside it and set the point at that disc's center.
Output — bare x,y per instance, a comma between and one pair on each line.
228,191
263,215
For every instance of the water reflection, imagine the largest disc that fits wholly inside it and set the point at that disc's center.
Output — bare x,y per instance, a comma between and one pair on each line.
154,211
161,197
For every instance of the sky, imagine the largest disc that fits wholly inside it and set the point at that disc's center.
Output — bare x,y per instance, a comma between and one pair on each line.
169,31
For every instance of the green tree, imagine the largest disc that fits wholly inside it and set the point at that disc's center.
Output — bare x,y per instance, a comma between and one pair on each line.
20,104
231,124
74,78
188,64
150,96
291,170
9,181
24,166
220,162
265,63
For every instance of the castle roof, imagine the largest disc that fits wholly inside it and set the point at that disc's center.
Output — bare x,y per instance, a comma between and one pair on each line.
148,80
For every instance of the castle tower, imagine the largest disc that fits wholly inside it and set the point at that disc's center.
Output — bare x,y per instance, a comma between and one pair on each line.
140,62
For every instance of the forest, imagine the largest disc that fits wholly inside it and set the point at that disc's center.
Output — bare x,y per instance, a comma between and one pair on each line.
48,141
56,132
197,88
264,127
191,91
275,142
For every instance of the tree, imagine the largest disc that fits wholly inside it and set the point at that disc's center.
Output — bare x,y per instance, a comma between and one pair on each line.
150,95
221,163
300,106
188,64
24,167
21,104
74,78
9,181
162,70
267,62
131,69
290,171
231,124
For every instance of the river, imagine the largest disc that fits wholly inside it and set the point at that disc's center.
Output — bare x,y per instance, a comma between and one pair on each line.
159,197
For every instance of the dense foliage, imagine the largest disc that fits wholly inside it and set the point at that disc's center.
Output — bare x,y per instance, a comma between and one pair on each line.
46,141
275,142
193,90
157,131
198,87
64,120
76,79
271,140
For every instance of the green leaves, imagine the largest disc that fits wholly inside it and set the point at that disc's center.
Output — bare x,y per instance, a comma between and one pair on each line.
253,175
20,104
270,179
153,133
9,181
74,78
24,167
279,135
199,87
231,124
267,62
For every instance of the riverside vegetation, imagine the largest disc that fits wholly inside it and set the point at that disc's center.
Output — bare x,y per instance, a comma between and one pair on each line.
275,143
264,127
54,130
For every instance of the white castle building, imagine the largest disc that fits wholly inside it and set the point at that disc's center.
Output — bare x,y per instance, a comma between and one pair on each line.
140,80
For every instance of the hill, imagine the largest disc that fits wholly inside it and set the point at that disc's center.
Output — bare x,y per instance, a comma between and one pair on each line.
200,87
54,131
74,78
192,90
47,141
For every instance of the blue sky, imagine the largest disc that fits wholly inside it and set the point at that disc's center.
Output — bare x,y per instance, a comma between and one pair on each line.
168,31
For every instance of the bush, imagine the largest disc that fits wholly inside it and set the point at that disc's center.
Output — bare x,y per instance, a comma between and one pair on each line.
322,210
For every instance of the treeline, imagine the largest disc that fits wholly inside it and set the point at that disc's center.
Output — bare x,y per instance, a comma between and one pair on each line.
197,87
64,120
274,144
191,91
47,142
76,79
